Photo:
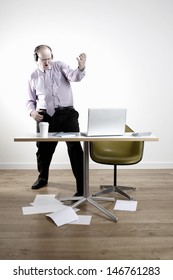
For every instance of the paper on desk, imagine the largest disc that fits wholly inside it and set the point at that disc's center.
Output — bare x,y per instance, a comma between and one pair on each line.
66,134
82,220
126,205
63,216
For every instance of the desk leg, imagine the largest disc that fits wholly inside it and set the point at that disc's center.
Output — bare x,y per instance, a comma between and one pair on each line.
102,209
86,185
86,169
86,196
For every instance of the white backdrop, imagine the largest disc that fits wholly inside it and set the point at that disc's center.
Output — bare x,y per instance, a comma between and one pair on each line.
129,46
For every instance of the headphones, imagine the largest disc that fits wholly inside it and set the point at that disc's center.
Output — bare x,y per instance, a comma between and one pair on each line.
37,50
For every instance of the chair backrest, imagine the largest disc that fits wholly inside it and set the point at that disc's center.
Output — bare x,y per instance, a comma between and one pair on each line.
118,152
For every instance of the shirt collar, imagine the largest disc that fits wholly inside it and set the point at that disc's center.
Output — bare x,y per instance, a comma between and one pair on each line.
42,70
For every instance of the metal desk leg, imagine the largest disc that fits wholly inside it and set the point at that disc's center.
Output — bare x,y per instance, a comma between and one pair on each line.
86,185
86,196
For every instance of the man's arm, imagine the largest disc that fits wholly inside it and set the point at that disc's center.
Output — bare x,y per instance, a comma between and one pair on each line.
31,104
78,74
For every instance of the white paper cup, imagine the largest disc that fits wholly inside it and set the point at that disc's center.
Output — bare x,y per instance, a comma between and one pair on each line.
44,127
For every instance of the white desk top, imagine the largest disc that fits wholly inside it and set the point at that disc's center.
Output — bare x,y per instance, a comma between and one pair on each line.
54,137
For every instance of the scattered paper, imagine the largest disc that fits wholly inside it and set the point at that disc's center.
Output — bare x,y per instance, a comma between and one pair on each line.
43,203
82,220
40,209
63,216
126,205
42,199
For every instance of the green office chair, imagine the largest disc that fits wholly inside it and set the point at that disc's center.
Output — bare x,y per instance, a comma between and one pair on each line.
116,153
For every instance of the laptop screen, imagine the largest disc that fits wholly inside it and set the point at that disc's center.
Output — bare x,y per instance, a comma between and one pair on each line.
106,121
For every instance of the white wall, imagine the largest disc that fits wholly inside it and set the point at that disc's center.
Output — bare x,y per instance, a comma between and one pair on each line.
129,44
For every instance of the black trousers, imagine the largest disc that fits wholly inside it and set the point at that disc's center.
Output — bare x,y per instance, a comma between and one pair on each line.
65,120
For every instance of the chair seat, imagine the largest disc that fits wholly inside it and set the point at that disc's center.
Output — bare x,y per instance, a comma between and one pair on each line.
119,153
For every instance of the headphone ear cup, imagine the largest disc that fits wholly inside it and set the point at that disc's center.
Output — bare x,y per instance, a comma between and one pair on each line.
35,56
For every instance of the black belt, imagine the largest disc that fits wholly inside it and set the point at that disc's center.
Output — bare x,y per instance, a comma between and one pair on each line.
59,108
63,108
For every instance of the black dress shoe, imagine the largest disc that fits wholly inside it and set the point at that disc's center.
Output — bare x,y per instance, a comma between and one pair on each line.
78,194
40,183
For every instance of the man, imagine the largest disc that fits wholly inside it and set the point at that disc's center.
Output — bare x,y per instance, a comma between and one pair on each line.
50,99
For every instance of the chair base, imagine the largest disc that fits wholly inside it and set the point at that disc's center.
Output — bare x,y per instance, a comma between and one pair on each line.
118,189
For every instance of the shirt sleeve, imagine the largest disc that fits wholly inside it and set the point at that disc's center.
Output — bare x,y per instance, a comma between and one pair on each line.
72,75
31,101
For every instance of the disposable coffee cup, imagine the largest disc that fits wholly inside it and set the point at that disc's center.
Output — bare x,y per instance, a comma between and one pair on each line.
44,127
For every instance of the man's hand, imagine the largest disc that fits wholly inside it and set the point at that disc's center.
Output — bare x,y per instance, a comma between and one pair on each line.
36,116
81,61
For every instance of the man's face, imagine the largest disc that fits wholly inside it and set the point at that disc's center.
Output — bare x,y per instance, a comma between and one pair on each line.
44,58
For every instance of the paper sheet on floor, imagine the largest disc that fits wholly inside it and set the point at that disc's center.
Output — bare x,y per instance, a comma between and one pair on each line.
43,203
42,199
126,205
63,216
41,209
56,210
82,220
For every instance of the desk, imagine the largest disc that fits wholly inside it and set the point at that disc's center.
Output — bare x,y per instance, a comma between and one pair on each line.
53,137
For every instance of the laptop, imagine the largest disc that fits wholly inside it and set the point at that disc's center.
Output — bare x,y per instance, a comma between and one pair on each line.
106,122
